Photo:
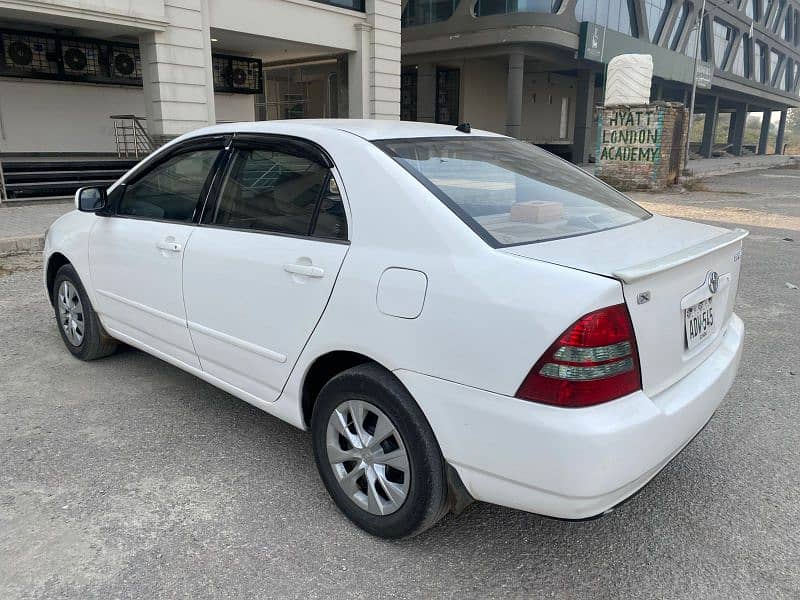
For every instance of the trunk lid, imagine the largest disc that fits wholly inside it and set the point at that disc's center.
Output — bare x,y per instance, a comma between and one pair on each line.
666,268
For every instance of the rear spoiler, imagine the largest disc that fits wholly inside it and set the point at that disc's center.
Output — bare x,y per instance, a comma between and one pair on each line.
670,261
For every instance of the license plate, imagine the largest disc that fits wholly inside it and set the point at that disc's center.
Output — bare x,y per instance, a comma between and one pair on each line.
699,322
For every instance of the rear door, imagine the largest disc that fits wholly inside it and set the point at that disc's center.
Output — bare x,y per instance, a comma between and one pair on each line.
136,254
259,270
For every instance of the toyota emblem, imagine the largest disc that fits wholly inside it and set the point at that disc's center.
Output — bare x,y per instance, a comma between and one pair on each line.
713,282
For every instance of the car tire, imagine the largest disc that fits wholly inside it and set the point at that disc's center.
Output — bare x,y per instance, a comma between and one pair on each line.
77,321
383,499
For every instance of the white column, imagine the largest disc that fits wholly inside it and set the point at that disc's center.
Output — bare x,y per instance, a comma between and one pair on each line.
384,16
176,71
374,69
358,74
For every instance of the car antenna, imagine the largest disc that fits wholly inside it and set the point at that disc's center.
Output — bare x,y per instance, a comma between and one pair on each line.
464,128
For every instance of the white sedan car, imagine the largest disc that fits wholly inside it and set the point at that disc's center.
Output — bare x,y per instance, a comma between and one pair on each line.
454,315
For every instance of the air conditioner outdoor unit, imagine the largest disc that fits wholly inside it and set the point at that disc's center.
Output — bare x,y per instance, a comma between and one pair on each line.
125,63
27,54
81,59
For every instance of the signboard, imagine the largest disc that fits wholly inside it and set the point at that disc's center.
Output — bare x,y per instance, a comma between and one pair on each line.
705,73
630,135
594,42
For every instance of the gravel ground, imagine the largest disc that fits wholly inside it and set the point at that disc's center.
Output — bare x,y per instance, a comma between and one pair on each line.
127,478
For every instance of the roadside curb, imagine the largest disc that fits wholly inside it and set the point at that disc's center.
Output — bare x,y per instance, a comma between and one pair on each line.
16,245
742,167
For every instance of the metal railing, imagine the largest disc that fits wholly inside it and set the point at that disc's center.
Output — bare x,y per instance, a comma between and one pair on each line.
131,137
3,193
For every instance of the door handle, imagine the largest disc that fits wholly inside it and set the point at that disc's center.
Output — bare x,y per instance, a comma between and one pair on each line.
169,246
306,270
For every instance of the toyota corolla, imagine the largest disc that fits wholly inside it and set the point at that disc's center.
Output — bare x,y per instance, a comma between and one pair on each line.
454,315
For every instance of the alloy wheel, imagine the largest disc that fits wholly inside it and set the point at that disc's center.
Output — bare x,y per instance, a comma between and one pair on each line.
70,311
368,457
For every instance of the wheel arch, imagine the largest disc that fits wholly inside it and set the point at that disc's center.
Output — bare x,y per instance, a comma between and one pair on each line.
54,263
322,370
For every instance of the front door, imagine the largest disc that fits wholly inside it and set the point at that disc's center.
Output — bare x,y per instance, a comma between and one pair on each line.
136,255
259,271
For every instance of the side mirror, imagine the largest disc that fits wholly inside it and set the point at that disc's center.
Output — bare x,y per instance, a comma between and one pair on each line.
91,199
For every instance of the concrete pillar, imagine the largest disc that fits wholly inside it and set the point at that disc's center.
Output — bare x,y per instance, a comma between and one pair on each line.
516,71
659,91
374,68
781,133
736,129
176,71
358,74
426,93
384,66
584,117
342,102
709,128
763,139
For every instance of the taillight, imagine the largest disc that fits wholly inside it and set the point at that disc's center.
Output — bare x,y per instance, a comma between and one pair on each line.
593,361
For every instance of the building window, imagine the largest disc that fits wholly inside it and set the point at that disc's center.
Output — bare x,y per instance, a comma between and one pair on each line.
424,12
691,43
683,17
408,94
776,21
767,11
741,60
788,78
797,27
760,62
448,82
613,14
657,11
775,62
723,39
751,9
500,7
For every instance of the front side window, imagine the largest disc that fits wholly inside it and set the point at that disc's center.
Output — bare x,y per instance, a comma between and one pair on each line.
511,192
172,190
271,191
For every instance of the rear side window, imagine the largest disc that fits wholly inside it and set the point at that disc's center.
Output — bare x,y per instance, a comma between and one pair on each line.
172,190
272,191
511,192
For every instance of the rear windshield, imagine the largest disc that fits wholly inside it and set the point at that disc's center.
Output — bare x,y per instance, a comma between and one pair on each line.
511,192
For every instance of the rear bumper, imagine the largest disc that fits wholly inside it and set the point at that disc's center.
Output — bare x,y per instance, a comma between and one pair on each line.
571,463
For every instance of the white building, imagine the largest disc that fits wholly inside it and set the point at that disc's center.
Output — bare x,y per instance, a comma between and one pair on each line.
66,66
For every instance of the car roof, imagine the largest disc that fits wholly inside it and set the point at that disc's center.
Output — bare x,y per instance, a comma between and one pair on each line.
369,129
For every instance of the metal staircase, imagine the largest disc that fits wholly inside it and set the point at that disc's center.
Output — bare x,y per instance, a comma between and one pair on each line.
131,137
49,177
53,175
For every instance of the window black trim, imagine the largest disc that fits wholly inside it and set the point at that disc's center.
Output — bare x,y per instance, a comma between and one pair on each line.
382,144
289,144
254,140
210,142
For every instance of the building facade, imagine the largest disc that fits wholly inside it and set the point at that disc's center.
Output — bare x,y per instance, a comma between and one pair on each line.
534,68
67,66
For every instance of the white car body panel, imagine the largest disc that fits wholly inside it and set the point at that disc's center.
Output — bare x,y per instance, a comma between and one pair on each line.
658,322
135,269
249,318
462,337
